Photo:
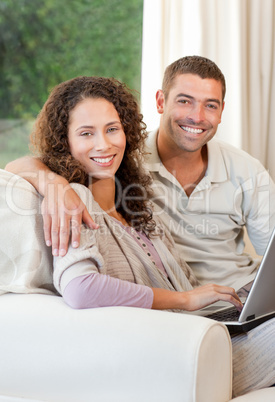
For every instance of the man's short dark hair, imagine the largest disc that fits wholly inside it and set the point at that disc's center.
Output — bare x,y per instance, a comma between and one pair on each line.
197,65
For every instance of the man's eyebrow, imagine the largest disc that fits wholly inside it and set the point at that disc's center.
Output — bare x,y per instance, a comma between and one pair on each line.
214,100
185,95
191,97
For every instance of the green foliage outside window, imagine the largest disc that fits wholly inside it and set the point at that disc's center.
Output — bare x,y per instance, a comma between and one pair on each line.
44,42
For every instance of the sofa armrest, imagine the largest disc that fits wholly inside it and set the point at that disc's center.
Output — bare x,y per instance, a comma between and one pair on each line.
54,353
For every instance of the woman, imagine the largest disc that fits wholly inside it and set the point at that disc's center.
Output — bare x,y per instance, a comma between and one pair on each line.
90,132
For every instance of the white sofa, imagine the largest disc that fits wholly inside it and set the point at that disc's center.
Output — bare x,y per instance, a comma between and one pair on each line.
50,352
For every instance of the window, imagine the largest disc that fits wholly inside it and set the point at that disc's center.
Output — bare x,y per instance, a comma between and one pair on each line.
45,42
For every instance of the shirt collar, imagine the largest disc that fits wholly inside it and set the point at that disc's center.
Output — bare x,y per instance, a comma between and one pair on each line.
152,158
216,170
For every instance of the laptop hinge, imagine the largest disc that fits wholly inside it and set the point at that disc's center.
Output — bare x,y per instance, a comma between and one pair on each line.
250,317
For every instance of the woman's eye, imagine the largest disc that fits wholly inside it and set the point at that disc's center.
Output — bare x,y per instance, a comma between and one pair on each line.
111,129
85,133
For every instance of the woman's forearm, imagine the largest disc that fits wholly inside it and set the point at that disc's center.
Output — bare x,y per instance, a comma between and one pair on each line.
97,290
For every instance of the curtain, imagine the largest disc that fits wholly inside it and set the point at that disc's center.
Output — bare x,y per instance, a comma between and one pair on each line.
239,35
258,80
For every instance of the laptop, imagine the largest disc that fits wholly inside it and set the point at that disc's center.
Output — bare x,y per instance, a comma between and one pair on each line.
259,305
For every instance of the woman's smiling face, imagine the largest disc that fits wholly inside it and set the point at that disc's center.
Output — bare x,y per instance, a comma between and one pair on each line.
96,137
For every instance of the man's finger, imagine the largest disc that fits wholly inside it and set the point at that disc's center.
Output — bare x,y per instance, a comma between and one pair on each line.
86,217
76,230
55,237
47,229
64,235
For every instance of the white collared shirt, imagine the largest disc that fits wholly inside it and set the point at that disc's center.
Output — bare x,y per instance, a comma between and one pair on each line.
207,227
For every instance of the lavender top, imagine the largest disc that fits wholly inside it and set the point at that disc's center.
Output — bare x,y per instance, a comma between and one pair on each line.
109,291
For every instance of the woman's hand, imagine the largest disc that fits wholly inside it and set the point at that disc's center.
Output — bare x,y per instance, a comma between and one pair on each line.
196,298
203,296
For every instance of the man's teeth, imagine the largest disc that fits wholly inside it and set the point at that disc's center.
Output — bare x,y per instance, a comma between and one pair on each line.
192,130
103,160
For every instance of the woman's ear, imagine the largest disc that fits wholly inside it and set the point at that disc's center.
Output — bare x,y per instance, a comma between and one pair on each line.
160,101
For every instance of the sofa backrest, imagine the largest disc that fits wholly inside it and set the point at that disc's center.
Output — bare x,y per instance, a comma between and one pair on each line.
25,260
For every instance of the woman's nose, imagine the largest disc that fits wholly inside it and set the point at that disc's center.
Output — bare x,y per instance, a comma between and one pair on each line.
102,142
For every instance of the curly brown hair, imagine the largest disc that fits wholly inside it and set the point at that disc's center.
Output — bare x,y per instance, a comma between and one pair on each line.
50,140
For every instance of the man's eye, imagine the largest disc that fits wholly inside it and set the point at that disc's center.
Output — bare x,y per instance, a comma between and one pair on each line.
211,106
184,101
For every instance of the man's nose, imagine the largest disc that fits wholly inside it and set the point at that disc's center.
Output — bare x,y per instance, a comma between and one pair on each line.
197,114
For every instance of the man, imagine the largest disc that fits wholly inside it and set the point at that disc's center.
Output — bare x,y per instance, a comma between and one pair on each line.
205,191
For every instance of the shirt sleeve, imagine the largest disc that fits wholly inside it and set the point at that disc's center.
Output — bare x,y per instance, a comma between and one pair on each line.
97,290
259,208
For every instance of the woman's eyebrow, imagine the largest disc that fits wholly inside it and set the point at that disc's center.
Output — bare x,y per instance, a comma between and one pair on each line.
113,122
84,127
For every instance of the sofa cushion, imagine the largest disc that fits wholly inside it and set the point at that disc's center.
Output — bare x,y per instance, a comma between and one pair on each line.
25,260
261,395
54,353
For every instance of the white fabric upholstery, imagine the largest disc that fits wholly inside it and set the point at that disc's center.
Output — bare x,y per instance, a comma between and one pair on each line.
53,353
262,395
25,260
12,399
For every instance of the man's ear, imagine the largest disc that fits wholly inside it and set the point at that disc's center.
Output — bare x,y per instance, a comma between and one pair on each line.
160,101
222,111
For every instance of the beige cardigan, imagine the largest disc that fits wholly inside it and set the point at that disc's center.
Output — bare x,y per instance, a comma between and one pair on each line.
110,250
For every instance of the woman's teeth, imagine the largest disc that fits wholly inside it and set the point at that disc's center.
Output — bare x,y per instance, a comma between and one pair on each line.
103,160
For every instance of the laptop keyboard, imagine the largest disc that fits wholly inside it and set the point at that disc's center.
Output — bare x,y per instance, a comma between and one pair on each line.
230,314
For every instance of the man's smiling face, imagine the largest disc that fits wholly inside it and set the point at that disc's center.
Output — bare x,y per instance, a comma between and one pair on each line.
190,113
